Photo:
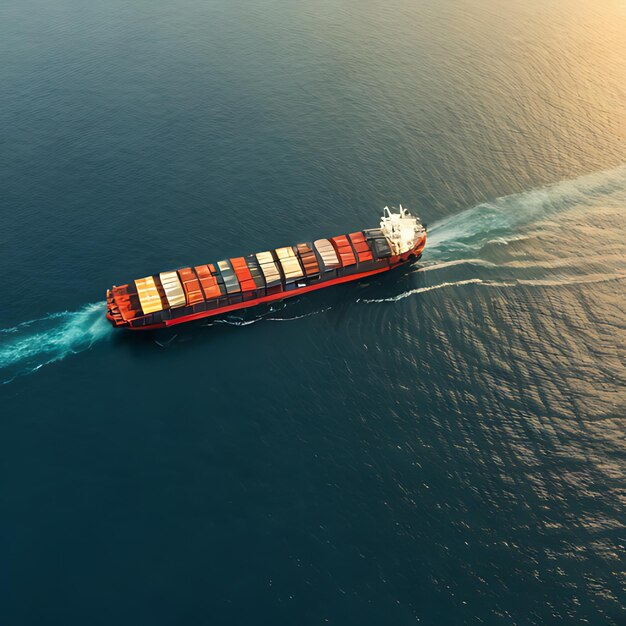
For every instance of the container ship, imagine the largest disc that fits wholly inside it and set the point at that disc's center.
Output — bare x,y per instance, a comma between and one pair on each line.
193,293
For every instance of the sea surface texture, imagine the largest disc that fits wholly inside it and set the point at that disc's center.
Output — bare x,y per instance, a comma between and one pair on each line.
443,444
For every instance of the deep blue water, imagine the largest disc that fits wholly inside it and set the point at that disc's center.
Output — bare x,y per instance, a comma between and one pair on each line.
440,445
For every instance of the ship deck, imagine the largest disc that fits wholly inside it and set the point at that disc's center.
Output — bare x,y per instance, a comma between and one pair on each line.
192,293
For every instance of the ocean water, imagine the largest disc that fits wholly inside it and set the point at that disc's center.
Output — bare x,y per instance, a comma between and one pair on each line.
443,444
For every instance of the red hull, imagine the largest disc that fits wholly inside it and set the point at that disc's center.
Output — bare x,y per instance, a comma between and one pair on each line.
281,295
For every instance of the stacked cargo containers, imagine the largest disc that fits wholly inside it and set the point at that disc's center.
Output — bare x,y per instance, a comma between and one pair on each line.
270,272
248,286
233,288
210,286
308,260
360,245
174,292
344,250
127,301
292,270
148,294
327,253
178,293
378,243
257,275
191,285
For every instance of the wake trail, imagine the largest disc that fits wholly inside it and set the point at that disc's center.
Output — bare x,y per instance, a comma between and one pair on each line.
237,321
412,292
460,238
518,282
465,234
31,345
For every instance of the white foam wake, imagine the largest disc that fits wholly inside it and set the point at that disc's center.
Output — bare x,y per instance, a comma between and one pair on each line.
30,345
465,234
412,292
517,282
456,239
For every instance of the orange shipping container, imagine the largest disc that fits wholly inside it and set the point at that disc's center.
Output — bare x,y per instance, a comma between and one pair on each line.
342,245
207,281
191,285
243,274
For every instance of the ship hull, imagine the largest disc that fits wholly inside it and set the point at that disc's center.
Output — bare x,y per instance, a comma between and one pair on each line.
354,269
265,299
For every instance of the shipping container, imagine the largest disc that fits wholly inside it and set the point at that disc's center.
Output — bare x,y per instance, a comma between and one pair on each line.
208,282
255,272
290,264
327,254
148,295
191,285
378,243
243,274
229,276
359,243
269,269
382,250
344,250
173,288
308,260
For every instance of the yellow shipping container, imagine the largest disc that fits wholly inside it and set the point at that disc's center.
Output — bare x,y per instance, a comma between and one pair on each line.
148,295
